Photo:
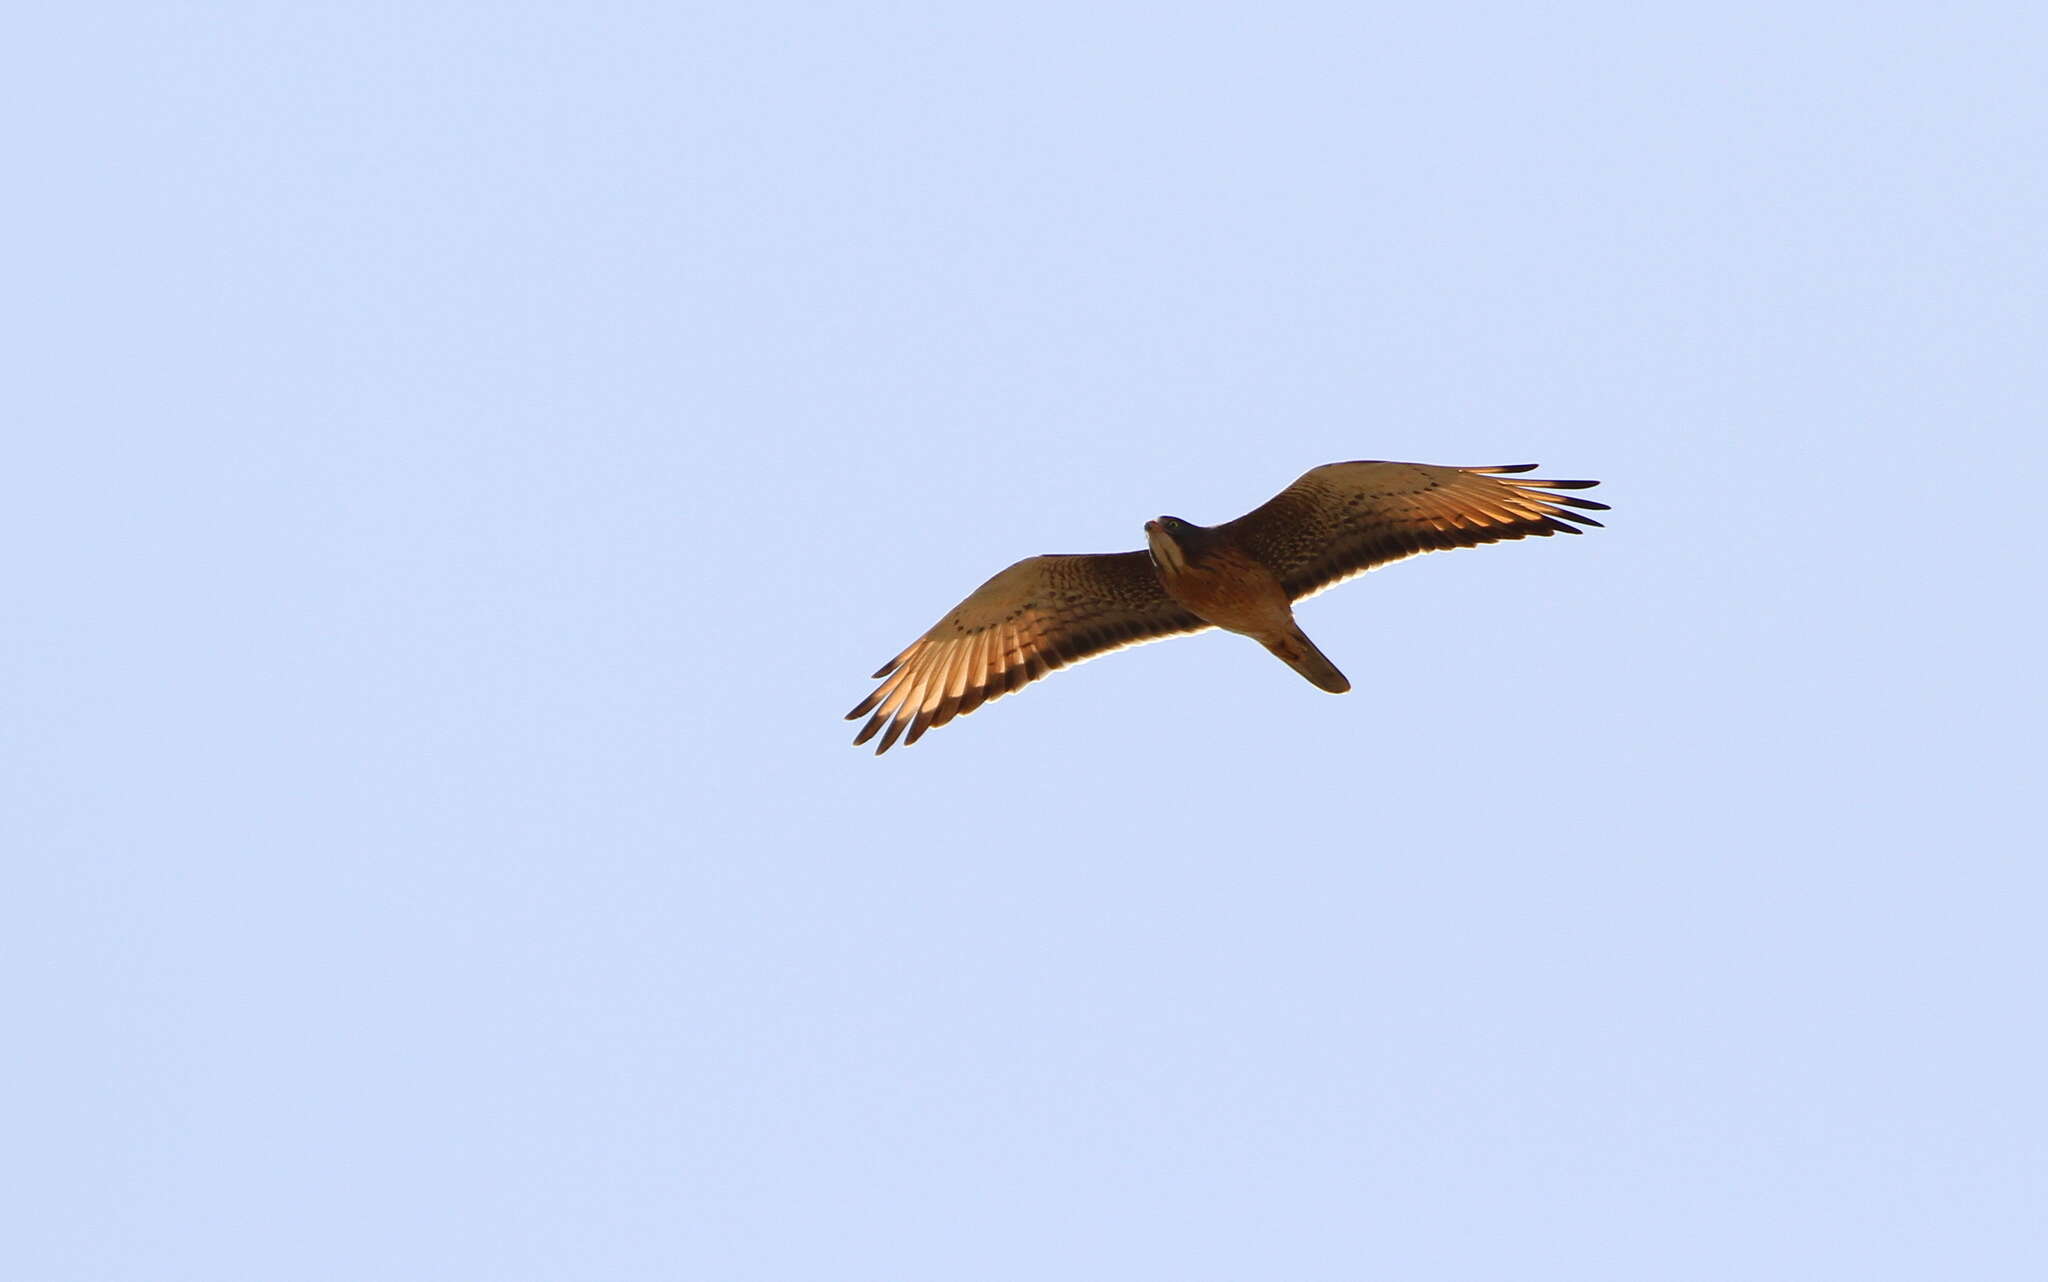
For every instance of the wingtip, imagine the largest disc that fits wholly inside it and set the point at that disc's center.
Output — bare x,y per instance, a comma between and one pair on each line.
890,736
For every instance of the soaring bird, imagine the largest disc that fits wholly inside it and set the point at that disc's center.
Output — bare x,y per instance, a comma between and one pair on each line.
1337,521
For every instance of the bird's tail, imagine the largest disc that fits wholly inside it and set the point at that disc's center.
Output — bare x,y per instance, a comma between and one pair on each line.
1294,649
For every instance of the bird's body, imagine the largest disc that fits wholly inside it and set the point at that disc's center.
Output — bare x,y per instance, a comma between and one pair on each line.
1243,576
1221,584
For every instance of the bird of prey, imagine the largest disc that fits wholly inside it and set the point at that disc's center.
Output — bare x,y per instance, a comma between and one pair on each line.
1337,521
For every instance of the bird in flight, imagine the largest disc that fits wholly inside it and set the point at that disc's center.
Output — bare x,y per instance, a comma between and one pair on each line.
1337,521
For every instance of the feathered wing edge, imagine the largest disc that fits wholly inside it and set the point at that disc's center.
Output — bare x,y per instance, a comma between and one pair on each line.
946,674
1505,510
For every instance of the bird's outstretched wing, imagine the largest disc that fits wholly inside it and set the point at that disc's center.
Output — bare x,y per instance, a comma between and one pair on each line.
1343,519
1040,614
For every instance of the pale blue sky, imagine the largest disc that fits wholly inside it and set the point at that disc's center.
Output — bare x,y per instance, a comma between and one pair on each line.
466,459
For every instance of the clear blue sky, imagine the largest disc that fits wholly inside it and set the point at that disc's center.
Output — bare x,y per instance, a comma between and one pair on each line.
465,458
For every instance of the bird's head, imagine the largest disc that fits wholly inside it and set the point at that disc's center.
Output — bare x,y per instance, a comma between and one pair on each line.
1171,541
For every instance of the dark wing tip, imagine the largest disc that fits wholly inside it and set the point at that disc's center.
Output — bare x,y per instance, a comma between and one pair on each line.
865,706
1569,522
894,733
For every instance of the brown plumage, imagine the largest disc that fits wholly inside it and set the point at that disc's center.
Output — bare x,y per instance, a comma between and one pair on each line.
1337,521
